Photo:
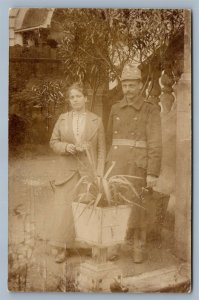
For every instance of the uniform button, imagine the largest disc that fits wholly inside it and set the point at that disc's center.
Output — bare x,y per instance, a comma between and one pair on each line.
135,118
132,133
115,147
131,147
115,131
117,118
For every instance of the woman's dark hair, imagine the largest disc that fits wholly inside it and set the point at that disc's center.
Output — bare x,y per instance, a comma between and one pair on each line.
79,87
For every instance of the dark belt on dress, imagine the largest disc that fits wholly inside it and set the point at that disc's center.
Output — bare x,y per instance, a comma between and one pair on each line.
128,142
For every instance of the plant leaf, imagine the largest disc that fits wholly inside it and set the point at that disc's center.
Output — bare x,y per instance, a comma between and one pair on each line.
87,206
90,160
99,196
127,176
131,202
110,169
80,182
131,187
107,191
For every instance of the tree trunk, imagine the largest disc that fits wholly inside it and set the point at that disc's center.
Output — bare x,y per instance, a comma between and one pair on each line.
93,99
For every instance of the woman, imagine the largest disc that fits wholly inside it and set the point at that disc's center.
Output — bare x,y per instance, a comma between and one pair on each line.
75,134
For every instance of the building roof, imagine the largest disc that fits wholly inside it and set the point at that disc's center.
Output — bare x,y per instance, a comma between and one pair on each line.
36,18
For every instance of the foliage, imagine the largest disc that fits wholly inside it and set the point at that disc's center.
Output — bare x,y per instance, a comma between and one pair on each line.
45,95
68,282
104,190
34,110
20,255
48,96
118,286
100,41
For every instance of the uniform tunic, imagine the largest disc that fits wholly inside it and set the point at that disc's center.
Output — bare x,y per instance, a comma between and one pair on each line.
134,143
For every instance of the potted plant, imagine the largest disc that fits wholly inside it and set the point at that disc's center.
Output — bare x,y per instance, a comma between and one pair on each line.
101,212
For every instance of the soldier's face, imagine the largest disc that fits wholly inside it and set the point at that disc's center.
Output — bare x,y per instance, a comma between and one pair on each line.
131,88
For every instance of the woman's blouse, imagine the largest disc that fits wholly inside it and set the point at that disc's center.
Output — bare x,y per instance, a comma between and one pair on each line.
79,121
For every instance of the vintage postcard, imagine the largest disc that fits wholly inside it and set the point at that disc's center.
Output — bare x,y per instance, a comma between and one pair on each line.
99,150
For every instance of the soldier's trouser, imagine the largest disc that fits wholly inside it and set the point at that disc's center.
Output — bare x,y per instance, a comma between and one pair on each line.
139,244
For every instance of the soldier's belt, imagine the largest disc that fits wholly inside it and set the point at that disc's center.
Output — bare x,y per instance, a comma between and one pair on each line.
127,142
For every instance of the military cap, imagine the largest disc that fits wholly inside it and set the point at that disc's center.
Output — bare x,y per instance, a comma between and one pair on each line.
131,72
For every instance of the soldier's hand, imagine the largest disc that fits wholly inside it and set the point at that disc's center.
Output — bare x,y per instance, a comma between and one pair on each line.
151,181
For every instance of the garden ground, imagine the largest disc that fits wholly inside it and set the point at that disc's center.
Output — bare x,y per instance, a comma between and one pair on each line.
31,265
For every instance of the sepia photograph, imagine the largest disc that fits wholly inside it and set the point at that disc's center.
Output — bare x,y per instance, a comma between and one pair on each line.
100,150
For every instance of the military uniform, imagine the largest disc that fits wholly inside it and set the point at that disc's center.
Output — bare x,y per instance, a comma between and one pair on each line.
134,137
134,143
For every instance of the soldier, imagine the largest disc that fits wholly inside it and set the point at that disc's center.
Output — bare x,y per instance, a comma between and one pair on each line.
134,143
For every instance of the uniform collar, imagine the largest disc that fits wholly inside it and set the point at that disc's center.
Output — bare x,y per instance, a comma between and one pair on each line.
137,103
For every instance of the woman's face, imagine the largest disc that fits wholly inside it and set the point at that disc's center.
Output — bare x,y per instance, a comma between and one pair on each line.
77,100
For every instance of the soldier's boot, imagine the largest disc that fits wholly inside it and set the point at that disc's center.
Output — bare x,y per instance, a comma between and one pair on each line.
139,245
61,256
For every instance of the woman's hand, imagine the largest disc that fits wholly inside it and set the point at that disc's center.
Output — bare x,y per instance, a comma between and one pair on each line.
71,148
82,147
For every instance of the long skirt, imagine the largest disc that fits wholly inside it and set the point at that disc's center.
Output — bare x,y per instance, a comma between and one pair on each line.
62,230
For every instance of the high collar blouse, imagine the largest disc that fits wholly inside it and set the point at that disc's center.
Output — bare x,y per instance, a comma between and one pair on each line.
79,121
